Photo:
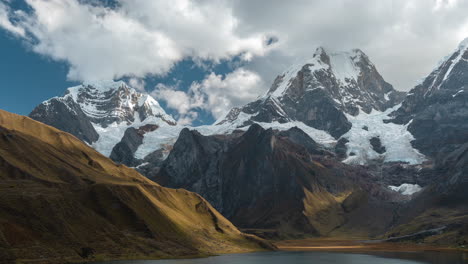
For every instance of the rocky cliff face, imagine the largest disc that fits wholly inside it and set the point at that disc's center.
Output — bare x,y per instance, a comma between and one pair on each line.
65,114
61,201
280,180
320,92
436,110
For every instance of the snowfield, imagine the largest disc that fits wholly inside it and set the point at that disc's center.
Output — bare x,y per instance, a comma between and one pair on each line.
406,188
167,135
395,138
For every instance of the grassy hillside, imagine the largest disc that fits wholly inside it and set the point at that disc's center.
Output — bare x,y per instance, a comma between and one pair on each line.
61,201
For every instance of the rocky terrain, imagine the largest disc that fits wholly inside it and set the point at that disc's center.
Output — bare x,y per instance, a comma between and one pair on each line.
279,180
61,201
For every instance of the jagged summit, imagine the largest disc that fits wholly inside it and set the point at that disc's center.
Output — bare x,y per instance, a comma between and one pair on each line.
100,112
343,65
106,102
349,77
452,65
320,92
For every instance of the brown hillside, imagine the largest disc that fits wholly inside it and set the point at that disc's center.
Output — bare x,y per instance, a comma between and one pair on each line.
62,201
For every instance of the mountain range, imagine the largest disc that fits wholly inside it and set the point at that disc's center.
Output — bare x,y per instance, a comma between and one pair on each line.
331,149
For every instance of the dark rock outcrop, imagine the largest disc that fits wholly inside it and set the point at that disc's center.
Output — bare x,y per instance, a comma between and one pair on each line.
124,151
377,145
66,115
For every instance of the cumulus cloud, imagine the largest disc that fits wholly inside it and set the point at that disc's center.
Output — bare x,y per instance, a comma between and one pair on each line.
178,100
404,38
136,38
5,21
216,94
223,93
138,84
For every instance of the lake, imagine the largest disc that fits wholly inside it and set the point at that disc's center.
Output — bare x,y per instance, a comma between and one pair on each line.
285,257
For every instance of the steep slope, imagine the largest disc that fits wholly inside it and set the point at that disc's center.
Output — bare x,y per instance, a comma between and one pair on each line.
281,181
62,201
99,113
436,110
320,92
441,209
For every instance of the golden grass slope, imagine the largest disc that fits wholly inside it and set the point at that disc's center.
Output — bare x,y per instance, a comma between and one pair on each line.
60,200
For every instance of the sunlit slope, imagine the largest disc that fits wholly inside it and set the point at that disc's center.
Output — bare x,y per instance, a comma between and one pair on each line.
61,200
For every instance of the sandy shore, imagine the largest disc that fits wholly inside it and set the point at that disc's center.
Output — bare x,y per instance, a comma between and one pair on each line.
325,244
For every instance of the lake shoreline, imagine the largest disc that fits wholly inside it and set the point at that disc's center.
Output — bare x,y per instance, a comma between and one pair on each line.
358,246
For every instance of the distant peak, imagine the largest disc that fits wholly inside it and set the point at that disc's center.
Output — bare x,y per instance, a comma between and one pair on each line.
319,51
463,44
104,85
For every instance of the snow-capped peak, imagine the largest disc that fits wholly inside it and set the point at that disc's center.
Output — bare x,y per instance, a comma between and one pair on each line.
105,85
105,102
463,44
439,76
344,66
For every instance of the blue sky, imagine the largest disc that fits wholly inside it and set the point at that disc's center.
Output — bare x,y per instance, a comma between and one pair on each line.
27,78
239,46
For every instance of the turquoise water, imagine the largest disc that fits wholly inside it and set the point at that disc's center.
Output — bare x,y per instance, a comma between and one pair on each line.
316,258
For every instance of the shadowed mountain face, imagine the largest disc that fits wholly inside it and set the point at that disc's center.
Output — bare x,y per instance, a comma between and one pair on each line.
437,109
441,206
62,201
320,92
284,184
265,179
436,112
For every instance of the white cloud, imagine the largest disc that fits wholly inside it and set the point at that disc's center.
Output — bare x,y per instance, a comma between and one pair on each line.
216,94
138,84
7,24
404,38
235,89
180,101
188,118
137,38
184,103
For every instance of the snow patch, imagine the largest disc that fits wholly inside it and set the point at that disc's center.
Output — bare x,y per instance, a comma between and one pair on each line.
395,138
406,188
344,67
167,135
457,93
